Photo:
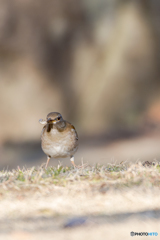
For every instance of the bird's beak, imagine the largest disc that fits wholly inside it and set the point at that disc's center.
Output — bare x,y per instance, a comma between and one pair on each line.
49,120
41,121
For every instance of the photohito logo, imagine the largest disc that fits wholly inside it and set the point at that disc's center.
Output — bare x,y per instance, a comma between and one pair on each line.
143,234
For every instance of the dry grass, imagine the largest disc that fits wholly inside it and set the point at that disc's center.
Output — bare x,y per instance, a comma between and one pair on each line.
113,176
62,192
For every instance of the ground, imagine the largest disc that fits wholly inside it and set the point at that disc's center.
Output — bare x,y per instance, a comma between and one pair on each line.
97,202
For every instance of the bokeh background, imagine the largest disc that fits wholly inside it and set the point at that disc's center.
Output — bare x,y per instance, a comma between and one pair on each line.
97,62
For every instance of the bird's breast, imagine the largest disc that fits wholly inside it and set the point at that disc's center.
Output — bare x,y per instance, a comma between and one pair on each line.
59,144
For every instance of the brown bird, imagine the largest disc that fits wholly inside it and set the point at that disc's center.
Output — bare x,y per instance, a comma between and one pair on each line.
59,138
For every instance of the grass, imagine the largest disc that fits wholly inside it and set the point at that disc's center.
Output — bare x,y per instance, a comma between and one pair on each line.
113,175
36,199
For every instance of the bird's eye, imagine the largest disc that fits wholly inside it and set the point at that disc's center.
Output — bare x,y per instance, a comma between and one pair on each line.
58,118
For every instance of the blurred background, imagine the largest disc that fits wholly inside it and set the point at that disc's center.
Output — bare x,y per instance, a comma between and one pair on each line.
97,62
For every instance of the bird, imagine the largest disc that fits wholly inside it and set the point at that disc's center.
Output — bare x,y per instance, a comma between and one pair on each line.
59,138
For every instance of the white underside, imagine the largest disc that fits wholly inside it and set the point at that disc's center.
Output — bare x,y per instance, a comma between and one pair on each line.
57,152
60,148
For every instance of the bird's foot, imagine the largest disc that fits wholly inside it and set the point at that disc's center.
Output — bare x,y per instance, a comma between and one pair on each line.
79,166
82,166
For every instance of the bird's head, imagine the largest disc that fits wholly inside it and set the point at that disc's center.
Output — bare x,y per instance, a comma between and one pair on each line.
52,118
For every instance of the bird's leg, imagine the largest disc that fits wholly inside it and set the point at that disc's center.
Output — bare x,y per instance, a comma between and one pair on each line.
48,158
72,161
